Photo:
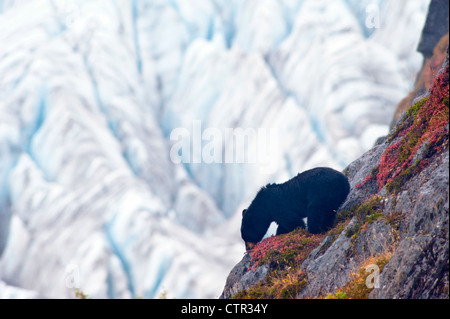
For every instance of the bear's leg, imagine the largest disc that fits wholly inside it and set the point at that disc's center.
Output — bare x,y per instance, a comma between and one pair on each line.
320,218
282,229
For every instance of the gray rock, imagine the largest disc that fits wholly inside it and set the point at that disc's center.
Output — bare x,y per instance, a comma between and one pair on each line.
242,277
331,270
435,27
419,266
358,171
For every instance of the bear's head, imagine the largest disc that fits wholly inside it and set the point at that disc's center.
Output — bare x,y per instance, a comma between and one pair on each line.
256,219
250,241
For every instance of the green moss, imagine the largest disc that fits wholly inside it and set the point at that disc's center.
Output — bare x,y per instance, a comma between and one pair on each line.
343,215
290,291
409,117
284,284
373,217
416,107
369,208
445,101
397,183
255,292
366,213
394,219
337,295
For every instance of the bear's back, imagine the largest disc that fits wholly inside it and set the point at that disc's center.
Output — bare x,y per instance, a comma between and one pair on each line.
321,183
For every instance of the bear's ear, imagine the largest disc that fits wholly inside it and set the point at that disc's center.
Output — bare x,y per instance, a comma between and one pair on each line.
243,212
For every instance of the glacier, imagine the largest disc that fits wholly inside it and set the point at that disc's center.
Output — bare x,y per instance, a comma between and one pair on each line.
90,92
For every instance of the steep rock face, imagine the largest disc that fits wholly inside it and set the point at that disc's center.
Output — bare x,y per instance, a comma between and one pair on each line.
425,78
395,219
435,27
432,45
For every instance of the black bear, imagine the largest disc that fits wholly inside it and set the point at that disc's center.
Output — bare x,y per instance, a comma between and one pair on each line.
315,194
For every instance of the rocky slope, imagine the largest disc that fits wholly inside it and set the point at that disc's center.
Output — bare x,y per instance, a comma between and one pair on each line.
391,238
433,46
435,27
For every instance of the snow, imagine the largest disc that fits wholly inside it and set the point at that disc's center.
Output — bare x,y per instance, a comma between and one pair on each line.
91,92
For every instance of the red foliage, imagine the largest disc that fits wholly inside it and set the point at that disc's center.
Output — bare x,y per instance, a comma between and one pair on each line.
429,125
367,179
291,248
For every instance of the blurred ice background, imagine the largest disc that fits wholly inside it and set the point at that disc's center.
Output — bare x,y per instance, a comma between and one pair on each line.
91,90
